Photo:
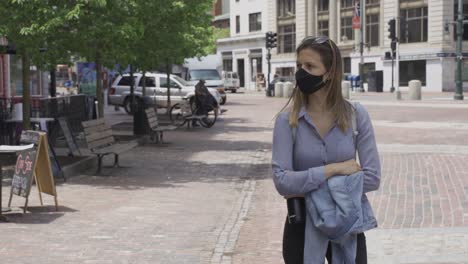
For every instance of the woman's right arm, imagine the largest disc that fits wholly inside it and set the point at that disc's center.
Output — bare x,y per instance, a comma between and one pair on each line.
287,181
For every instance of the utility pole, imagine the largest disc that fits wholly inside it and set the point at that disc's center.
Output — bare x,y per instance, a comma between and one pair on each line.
393,38
459,82
397,78
361,47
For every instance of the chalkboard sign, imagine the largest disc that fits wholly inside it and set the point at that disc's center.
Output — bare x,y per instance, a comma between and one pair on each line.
72,145
22,179
37,163
33,137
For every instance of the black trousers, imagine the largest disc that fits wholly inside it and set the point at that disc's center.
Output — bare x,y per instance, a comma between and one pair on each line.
293,245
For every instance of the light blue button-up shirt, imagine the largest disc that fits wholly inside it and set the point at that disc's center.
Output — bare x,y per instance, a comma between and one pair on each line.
312,152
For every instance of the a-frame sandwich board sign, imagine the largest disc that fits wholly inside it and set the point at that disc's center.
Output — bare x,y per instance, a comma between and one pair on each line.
34,165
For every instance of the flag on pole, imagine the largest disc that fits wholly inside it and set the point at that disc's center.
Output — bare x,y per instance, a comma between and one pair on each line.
357,15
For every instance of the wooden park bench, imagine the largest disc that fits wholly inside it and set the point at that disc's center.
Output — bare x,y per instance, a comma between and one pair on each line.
101,142
156,130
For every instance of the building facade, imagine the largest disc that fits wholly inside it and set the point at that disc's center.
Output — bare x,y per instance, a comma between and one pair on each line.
244,51
221,13
426,43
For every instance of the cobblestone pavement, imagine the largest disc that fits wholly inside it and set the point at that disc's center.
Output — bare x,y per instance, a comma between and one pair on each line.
183,202
208,197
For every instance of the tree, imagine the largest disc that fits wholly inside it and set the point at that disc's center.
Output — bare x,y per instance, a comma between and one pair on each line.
26,24
103,31
181,29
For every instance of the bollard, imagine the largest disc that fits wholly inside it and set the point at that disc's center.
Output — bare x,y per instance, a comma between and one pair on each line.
415,90
279,89
287,89
345,88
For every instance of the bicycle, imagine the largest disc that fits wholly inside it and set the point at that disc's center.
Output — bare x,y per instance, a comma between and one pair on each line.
186,112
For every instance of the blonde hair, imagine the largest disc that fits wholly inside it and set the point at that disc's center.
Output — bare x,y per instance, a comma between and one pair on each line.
331,58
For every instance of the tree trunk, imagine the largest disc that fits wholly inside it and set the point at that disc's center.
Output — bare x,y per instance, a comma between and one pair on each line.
99,92
143,79
53,83
26,91
168,71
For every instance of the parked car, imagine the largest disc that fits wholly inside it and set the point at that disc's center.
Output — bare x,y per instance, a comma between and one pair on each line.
212,80
231,81
156,90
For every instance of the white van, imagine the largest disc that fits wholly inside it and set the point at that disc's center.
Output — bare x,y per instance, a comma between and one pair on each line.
231,81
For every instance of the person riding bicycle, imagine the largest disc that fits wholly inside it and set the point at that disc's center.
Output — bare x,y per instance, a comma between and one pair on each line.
204,101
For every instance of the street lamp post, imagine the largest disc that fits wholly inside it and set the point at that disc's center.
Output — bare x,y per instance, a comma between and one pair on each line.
459,82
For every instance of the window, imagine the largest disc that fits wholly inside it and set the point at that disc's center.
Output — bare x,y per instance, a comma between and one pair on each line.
37,79
322,18
346,65
255,22
372,22
286,38
413,24
347,28
150,82
412,70
347,8
125,81
163,83
286,8
257,56
323,28
323,5
372,30
366,68
237,24
227,64
347,3
285,73
465,17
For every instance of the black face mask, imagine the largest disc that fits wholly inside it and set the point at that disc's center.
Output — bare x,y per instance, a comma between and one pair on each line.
308,83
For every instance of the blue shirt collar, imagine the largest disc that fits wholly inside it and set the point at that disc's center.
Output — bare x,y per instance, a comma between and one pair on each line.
302,112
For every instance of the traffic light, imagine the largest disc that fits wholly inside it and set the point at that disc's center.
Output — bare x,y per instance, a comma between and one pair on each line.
393,47
271,40
392,29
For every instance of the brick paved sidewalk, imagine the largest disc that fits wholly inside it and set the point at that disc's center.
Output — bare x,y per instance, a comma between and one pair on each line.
183,202
422,204
208,196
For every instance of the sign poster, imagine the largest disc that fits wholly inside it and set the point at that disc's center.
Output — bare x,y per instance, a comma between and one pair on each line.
22,179
357,15
87,78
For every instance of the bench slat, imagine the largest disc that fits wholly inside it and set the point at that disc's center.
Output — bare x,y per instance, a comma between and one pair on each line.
101,142
96,129
93,123
116,148
150,113
165,128
95,136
